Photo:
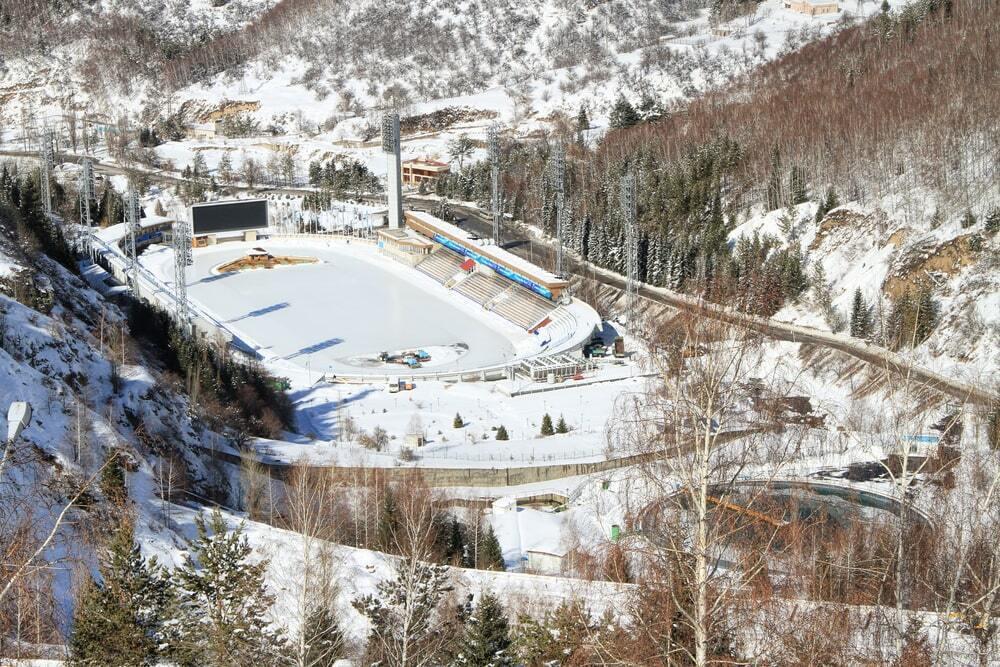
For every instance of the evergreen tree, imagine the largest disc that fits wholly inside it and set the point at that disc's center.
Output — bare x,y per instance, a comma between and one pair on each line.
860,316
118,621
490,553
774,195
993,220
623,114
561,426
198,167
324,640
388,523
457,421
220,602
113,480
828,204
502,433
486,637
797,186
226,168
404,615
547,425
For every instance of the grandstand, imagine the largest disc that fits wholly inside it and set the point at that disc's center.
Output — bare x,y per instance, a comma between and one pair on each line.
523,308
441,265
492,292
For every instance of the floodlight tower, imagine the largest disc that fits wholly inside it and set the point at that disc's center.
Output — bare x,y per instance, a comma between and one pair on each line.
628,209
183,258
132,214
559,180
394,183
494,140
47,163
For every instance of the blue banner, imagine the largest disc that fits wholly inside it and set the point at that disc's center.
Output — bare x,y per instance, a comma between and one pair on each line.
486,261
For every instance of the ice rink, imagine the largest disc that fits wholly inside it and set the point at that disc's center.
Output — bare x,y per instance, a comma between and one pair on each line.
336,316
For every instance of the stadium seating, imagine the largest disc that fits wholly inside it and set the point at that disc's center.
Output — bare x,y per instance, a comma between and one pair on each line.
441,265
490,291
523,308
482,288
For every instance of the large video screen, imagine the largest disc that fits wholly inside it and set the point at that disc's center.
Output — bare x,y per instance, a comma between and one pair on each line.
229,216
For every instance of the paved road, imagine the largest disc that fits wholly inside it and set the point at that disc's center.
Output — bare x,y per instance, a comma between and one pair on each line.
524,246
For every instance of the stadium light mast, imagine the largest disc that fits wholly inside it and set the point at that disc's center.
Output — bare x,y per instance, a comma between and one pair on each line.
183,258
495,207
394,184
559,179
628,210
132,229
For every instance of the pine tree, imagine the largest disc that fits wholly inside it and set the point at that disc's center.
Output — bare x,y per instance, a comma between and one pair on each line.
112,483
119,620
486,637
404,615
502,433
226,168
220,602
561,426
324,639
828,204
797,186
457,421
993,220
623,114
490,553
774,194
860,316
547,425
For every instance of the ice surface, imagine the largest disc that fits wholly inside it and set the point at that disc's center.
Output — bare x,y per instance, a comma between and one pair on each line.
336,316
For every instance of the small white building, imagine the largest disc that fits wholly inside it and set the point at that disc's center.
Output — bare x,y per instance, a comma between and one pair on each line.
203,131
813,7
543,562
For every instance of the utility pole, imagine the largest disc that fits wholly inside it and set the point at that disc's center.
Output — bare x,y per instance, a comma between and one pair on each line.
132,229
393,181
495,206
628,210
183,258
559,181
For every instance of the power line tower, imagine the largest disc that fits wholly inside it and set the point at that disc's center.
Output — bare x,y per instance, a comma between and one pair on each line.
47,157
628,209
183,258
559,182
495,205
132,214
393,183
86,197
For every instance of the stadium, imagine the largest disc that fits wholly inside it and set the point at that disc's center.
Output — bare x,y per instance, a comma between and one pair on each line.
422,298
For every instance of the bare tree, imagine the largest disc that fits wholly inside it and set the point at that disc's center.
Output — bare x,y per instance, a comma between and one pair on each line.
695,436
313,509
